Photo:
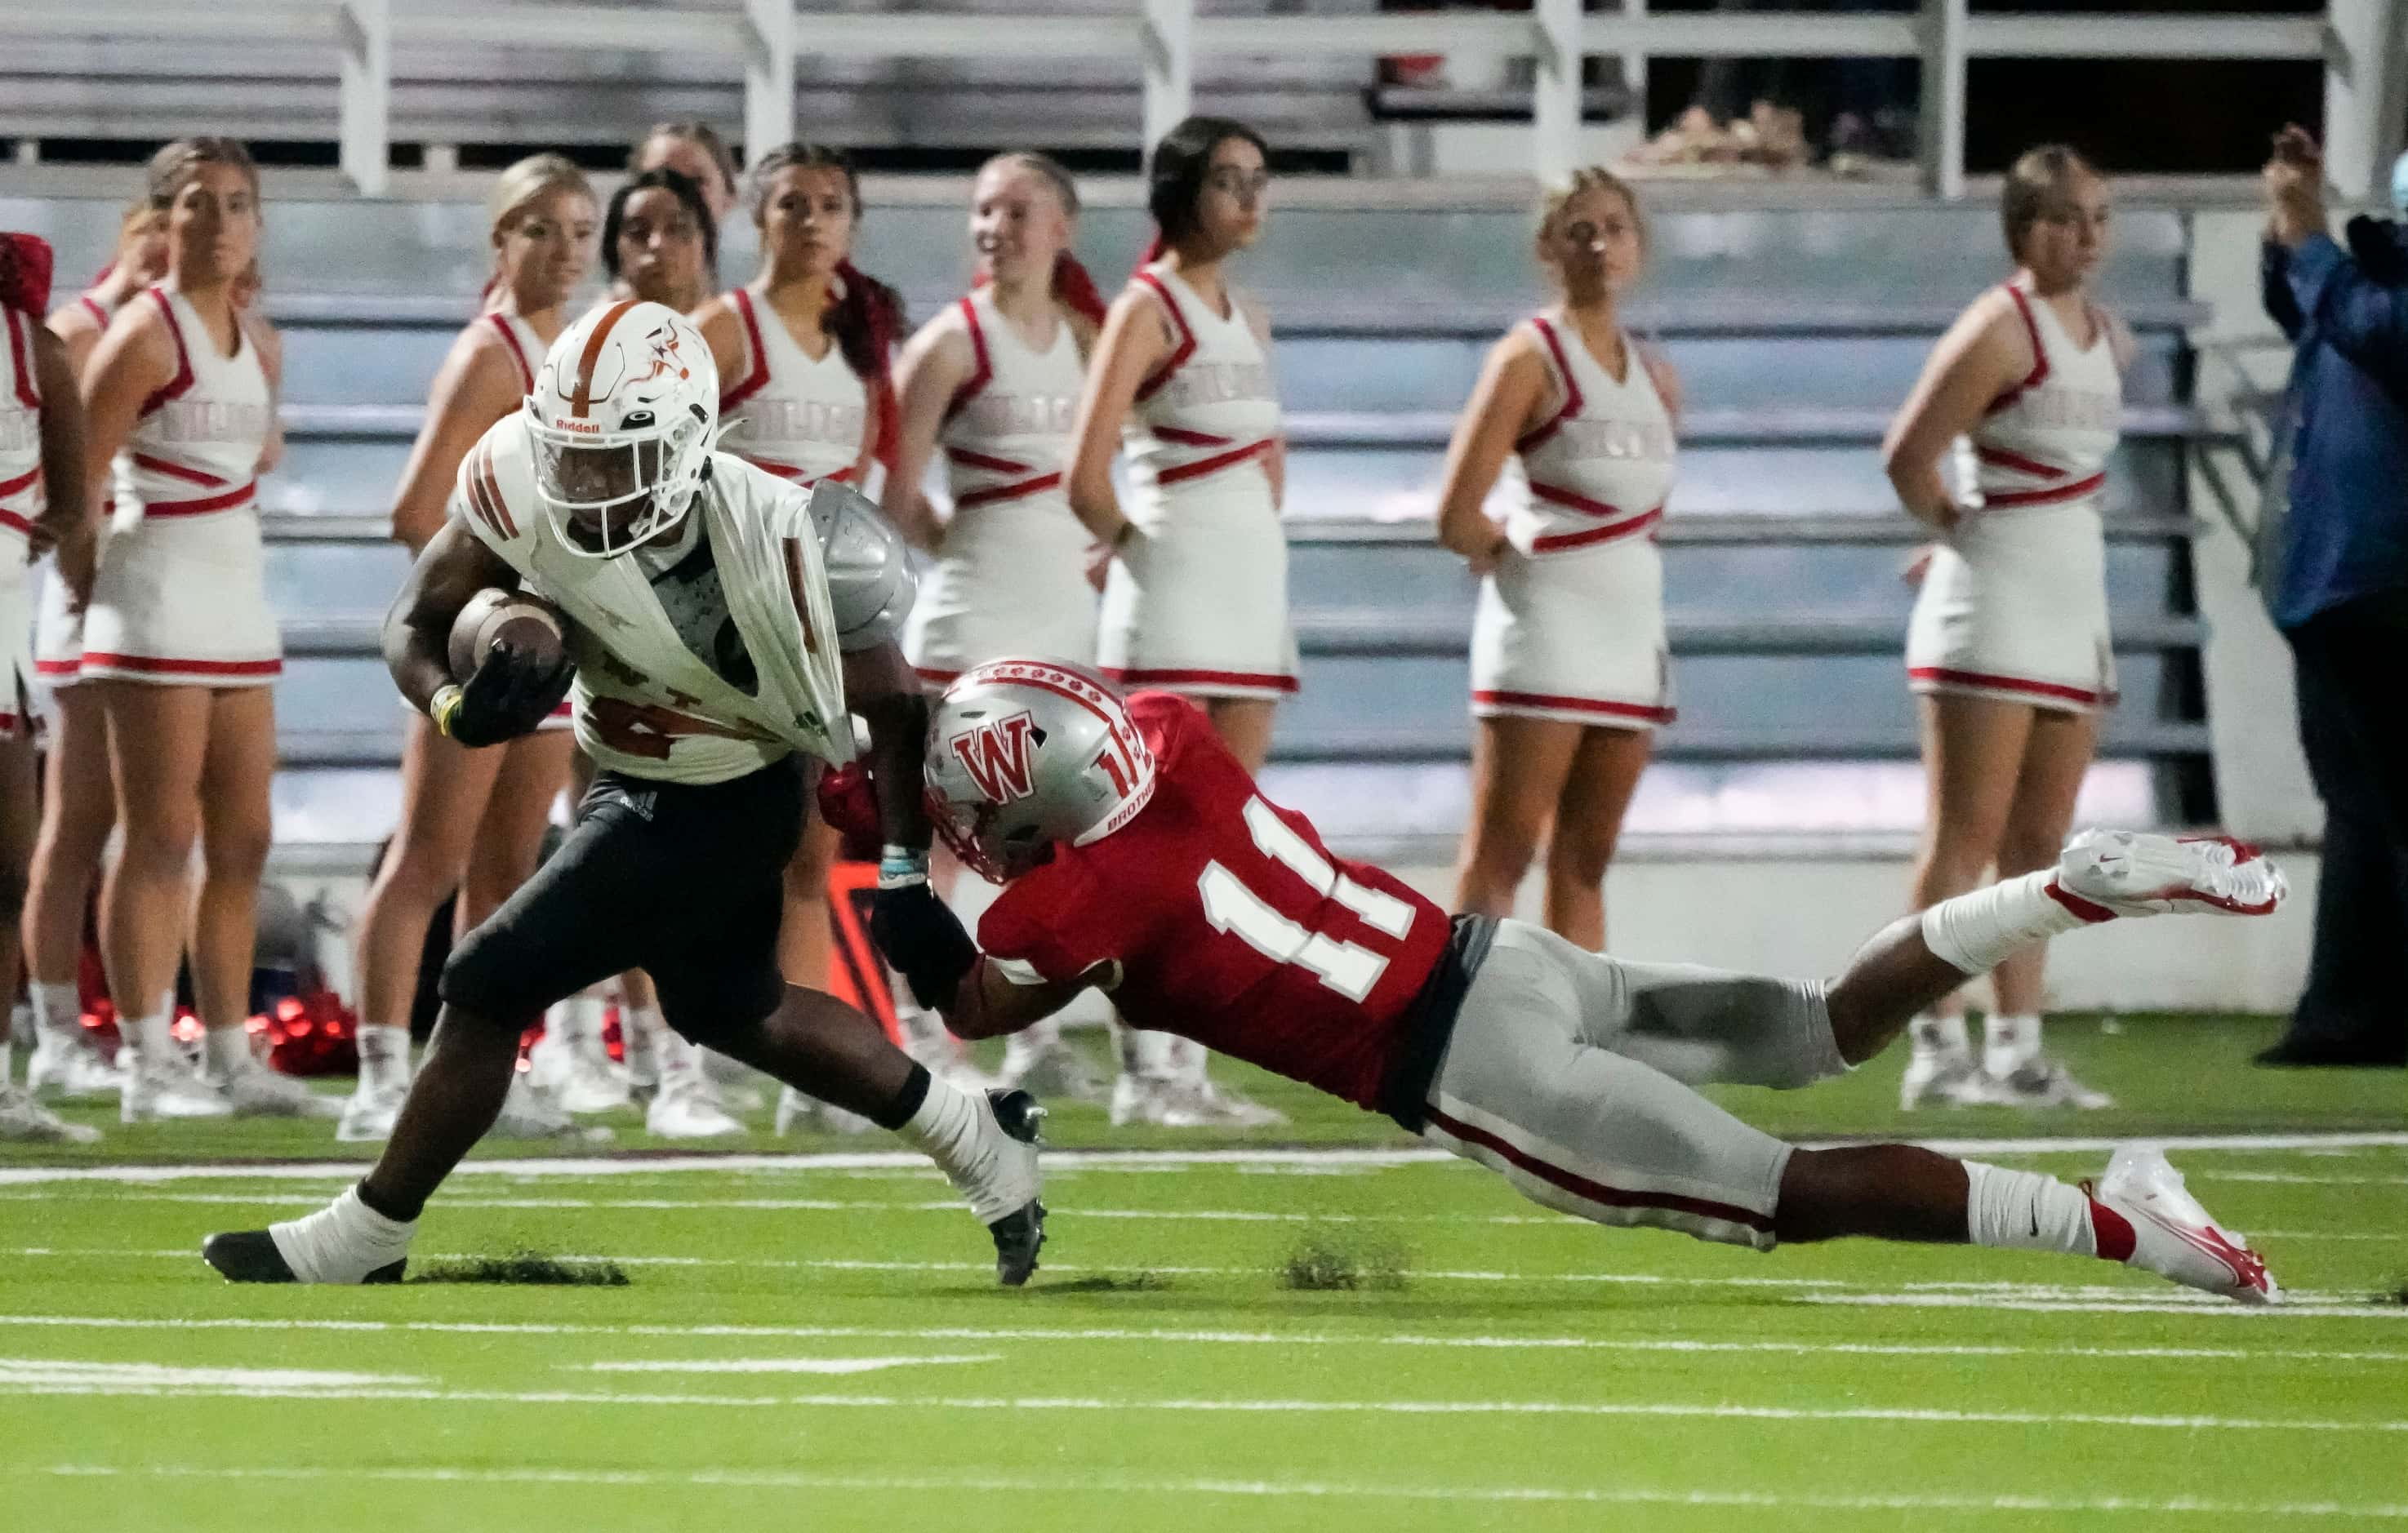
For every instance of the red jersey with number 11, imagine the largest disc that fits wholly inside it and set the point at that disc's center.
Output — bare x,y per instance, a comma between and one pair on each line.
1231,922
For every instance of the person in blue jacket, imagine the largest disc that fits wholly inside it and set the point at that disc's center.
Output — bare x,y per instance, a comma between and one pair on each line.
2335,578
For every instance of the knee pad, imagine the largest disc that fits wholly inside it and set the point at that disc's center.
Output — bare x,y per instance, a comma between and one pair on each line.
480,981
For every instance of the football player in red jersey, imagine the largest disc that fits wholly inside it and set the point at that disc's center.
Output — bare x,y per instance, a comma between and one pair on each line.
1138,857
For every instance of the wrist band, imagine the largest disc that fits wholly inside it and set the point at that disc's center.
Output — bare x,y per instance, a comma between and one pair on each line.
444,706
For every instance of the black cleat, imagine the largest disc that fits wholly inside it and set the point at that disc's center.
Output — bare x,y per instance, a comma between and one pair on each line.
1018,1236
250,1255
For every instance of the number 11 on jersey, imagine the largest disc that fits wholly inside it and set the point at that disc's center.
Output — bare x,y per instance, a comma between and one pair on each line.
1347,967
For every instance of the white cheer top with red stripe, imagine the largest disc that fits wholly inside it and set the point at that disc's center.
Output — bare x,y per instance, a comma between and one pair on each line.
196,449
799,419
1210,414
180,594
1598,469
20,442
1010,576
525,347
2046,442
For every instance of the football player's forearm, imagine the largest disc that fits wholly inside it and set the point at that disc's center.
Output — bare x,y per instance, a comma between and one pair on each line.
898,733
987,1005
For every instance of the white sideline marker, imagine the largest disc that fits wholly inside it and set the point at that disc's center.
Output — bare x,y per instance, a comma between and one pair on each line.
1118,1485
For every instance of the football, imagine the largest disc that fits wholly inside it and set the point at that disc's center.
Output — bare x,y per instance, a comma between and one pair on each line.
526,623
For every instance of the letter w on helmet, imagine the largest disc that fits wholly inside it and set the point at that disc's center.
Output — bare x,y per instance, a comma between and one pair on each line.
994,753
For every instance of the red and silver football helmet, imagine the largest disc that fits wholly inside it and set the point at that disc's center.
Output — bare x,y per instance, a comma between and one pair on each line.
623,416
1026,754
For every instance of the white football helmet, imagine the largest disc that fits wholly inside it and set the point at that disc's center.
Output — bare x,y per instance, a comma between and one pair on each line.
624,414
1025,753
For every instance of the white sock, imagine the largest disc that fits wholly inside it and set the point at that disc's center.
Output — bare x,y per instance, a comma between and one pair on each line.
643,1032
1027,1045
384,1057
2023,1210
1933,1034
8,1063
229,1051
58,1009
1976,932
2008,1043
579,1020
150,1038
946,1126
681,1060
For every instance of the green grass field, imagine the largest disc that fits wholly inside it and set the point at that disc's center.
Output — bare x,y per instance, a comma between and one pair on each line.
817,1343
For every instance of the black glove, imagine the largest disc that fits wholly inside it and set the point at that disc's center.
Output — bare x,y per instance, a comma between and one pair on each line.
925,941
2377,245
506,697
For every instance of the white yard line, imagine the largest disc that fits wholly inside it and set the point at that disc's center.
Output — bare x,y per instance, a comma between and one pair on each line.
1126,1159
2293,1307
53,1370
1028,1404
1167,1335
775,1365
1120,1486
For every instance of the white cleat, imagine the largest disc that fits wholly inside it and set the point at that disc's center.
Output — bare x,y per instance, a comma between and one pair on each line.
69,1068
154,1090
1201,1104
1139,1099
1058,1072
2107,873
796,1110
689,1109
2172,1234
25,1121
368,1114
999,1178
592,1083
528,1112
1951,1078
256,1091
2039,1081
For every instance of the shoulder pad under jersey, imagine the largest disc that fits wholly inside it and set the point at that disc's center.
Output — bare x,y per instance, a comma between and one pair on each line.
871,583
494,491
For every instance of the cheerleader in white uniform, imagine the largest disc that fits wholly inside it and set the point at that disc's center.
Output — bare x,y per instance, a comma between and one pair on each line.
41,500
78,810
804,352
695,151
2008,651
1569,669
993,383
471,820
1195,570
179,644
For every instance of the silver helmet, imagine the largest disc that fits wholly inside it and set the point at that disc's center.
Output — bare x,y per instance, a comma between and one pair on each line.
871,583
1024,754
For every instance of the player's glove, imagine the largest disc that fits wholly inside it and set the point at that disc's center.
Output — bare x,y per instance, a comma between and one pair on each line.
848,803
505,698
923,940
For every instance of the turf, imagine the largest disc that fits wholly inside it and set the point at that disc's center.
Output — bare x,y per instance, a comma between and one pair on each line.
821,1346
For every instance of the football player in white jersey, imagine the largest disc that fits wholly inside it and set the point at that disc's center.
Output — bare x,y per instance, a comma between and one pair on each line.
41,487
726,629
78,810
472,822
2008,651
1569,673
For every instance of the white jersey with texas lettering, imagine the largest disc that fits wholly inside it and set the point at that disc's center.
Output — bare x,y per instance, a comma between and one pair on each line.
800,419
1571,623
21,500
2013,605
1198,604
646,703
179,597
1010,576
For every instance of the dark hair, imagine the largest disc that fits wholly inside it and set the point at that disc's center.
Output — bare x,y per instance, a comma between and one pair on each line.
2037,187
697,132
677,184
1175,173
867,315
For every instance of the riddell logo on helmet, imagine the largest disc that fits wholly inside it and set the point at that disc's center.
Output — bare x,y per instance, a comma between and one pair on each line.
994,753
562,422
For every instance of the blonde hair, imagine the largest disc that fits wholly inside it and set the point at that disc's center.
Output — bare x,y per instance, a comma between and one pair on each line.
2039,186
522,182
1559,197
1046,169
176,160
703,137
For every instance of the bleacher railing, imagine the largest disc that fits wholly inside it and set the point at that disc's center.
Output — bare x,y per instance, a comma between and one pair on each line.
2360,42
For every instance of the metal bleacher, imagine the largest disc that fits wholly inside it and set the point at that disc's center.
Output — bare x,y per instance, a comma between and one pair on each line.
1796,331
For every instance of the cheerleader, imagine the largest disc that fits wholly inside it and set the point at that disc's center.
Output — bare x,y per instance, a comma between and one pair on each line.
660,241
42,500
1568,670
994,382
803,353
180,644
77,810
471,820
2008,650
1195,580
693,150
